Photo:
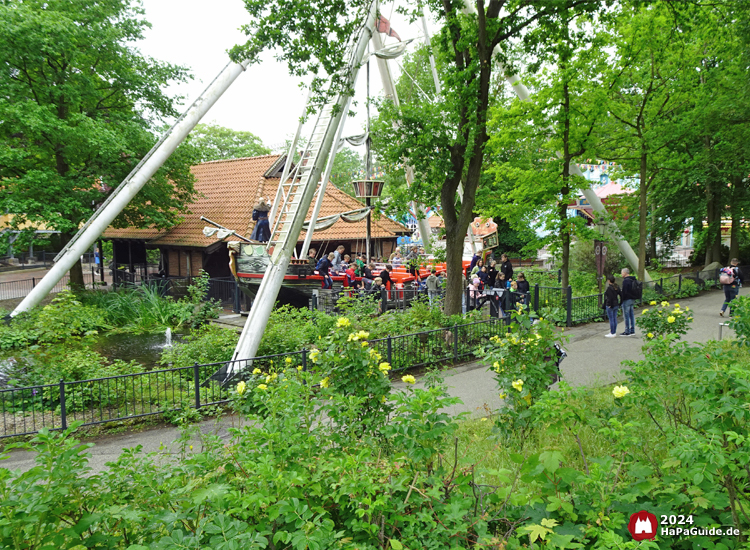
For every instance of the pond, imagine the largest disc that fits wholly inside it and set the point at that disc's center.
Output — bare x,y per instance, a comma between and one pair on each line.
144,348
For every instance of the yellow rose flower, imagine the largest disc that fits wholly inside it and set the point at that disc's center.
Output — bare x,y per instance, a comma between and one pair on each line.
262,387
288,360
496,366
687,308
299,367
677,306
324,382
650,335
365,344
670,319
503,395
652,303
343,322
665,304
518,384
384,367
408,379
620,391
314,355
644,312
527,398
257,371
241,387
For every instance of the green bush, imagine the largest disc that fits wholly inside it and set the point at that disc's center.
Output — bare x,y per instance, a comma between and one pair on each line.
659,320
740,320
207,344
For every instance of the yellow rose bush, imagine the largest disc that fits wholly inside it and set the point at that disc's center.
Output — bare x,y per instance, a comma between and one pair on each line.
664,319
523,362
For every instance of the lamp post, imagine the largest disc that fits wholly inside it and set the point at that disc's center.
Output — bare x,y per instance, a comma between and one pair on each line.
600,252
367,189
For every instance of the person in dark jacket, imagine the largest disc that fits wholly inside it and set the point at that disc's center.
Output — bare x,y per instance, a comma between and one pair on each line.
612,299
311,260
261,231
731,290
628,301
522,286
506,267
482,274
324,268
492,273
385,276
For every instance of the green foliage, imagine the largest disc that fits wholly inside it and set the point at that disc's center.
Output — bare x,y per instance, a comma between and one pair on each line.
79,104
659,320
207,344
740,320
523,363
214,142
65,318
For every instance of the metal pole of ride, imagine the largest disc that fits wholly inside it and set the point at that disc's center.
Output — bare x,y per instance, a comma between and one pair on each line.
135,181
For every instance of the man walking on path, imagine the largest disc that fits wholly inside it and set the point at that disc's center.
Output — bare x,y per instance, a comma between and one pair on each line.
731,279
629,296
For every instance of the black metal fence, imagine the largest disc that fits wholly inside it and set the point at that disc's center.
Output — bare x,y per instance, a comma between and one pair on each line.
26,410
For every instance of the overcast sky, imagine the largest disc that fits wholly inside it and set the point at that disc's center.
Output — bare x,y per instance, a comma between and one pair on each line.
264,100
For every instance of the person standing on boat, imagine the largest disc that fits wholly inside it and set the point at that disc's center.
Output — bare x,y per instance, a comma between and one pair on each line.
311,261
261,231
324,267
338,257
359,265
385,276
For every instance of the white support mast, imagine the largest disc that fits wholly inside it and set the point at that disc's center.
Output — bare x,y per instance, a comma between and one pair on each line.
294,200
124,193
596,204
390,91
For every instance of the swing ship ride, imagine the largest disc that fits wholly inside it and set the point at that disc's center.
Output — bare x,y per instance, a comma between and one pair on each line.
265,268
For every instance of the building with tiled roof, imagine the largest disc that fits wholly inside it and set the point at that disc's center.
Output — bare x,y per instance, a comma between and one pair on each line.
228,191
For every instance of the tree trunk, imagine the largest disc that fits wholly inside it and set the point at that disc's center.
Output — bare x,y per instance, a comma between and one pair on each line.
716,228
454,288
76,272
652,235
643,208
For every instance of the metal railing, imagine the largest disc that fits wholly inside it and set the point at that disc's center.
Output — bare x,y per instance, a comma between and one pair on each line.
117,398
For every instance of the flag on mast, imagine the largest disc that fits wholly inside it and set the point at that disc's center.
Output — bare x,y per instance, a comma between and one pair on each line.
384,26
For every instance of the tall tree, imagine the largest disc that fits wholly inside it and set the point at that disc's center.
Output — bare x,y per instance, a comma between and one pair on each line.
533,144
77,102
650,63
214,142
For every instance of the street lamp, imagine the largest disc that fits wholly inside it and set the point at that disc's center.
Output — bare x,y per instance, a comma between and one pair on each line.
367,189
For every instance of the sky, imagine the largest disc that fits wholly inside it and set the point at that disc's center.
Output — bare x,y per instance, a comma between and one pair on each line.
264,100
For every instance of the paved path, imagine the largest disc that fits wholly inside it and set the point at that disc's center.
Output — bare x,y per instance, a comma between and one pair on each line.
592,359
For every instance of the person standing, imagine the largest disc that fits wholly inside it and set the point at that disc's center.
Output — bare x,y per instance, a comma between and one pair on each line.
432,286
476,269
262,231
385,276
337,260
522,286
311,261
731,280
492,272
629,296
324,268
359,265
98,259
612,299
506,267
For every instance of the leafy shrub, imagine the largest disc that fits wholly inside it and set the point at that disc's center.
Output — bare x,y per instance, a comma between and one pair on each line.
523,363
740,320
659,320
207,344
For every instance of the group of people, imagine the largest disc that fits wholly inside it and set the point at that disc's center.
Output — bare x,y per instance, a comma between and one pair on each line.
495,276
615,297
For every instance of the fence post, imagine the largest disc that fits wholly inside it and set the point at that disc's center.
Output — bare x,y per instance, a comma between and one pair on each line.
236,296
559,276
455,343
304,359
383,300
536,297
33,282
197,385
569,316
389,351
63,415
679,284
661,285
314,301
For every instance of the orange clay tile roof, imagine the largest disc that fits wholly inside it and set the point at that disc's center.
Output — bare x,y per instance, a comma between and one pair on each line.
231,188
